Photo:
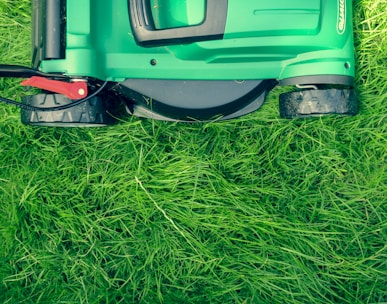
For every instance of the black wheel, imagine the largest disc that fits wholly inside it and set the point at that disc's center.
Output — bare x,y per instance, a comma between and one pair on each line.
317,102
91,113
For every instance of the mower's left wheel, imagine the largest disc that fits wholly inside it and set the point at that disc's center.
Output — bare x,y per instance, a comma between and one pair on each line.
317,102
91,113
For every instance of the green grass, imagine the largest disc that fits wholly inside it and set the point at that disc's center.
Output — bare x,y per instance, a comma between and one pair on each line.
255,210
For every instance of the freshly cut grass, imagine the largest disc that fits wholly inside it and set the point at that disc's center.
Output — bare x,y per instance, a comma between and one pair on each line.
255,210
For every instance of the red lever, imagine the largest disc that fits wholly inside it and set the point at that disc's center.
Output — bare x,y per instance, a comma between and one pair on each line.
72,90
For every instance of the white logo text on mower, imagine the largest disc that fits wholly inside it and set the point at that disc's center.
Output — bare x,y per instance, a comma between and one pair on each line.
342,17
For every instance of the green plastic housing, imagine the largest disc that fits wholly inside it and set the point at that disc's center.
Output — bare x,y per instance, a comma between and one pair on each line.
277,39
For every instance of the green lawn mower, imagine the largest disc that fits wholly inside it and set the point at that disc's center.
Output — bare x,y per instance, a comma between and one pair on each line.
185,60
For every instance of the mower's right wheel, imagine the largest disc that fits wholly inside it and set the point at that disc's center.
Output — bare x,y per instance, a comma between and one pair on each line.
317,102
91,113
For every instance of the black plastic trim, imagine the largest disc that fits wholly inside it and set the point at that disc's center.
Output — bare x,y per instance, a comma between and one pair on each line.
48,30
318,79
146,34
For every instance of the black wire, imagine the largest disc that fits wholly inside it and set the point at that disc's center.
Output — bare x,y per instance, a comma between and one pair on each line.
19,71
49,109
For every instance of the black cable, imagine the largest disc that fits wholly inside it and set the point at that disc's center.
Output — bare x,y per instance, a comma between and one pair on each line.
49,109
18,71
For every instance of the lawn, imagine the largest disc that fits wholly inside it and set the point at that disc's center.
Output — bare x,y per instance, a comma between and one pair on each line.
253,210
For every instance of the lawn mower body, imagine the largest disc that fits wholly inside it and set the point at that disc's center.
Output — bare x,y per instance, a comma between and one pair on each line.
197,59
